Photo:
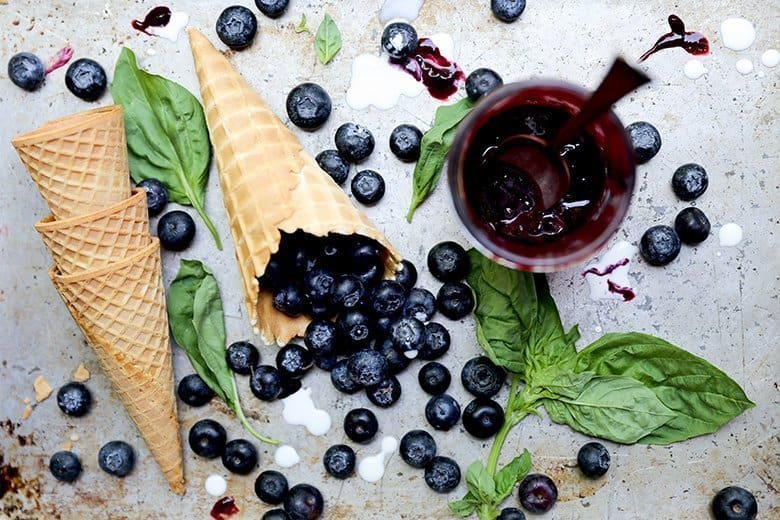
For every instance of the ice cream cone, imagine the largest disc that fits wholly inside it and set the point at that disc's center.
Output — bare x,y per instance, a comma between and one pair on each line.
269,185
79,162
97,239
121,310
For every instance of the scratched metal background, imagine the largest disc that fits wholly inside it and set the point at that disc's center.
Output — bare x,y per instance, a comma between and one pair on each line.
720,303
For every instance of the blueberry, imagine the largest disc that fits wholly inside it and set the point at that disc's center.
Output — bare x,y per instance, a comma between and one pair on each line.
396,360
593,459
448,262
482,82
406,274
74,399
237,27
348,293
116,458
507,10
194,391
274,275
289,387
399,40
405,141
384,326
355,142
320,337
408,336
355,329
434,378
26,71
386,393
317,285
363,254
65,466
308,106
388,298
304,502
483,417
339,461
156,195
272,8
275,514
86,79
437,341
420,304
341,380
240,456
511,513
481,377
242,357
290,300
659,245
271,487
265,383
176,229
371,276
322,310
325,362
455,300
367,367
734,503
442,412
334,165
692,226
360,425
368,187
690,181
293,361
645,140
537,493
207,438
442,474
417,448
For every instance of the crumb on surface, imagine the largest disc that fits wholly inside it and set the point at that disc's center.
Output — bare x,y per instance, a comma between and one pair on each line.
42,388
67,446
74,437
81,374
27,411
26,400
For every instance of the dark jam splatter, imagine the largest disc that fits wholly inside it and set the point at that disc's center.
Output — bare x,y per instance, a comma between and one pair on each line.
607,270
439,75
224,508
157,17
692,42
627,293
60,59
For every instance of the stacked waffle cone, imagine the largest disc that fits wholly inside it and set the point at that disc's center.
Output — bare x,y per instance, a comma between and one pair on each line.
107,267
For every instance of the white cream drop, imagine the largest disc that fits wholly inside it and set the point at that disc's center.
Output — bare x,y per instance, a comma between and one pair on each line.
286,456
730,235
406,10
738,34
744,66
410,354
216,485
770,58
171,30
372,468
299,410
608,278
694,69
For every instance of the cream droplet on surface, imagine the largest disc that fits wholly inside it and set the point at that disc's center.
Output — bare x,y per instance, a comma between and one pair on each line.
299,410
406,10
770,58
744,66
171,30
216,485
608,278
738,34
286,456
372,468
694,69
730,235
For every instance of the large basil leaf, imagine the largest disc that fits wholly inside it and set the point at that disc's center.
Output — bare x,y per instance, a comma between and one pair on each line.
615,408
559,381
511,474
167,138
702,397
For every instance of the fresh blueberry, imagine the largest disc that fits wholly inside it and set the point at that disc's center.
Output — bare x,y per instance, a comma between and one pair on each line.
272,8
442,412
388,298
645,140
692,226
194,391
406,274
290,300
74,399
339,461
408,336
207,438
355,142
442,474
86,79
333,252
301,254
308,106
242,357
320,337
271,487
371,275
355,330
317,285
593,459
507,10
690,181
482,82
511,513
455,300
434,378
360,425
437,341
734,503
483,417
417,448
265,383
399,40
325,362
659,245
322,310
334,165
304,502
368,187
448,262
341,380
348,293
420,304
367,367
386,393
396,360
65,466
274,275
156,195
384,326
293,361
237,27
275,514
405,141
481,377
362,253
537,493
240,456
116,458
176,229
26,71
289,387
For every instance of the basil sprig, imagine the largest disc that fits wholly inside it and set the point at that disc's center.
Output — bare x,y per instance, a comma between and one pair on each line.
198,326
627,387
327,41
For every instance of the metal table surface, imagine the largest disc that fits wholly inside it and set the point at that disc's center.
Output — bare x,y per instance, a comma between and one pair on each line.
720,303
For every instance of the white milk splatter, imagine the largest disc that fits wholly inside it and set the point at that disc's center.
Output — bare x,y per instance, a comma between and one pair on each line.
372,468
411,354
730,235
216,485
286,456
171,30
299,410
770,58
744,66
694,69
608,278
738,34
406,10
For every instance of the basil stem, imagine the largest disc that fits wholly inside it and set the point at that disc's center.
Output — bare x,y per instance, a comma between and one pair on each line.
242,418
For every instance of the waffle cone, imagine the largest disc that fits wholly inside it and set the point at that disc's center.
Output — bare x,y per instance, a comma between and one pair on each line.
97,239
120,308
79,162
269,185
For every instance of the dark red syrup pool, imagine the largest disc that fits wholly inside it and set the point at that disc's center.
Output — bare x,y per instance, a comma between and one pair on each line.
224,508
440,76
692,42
157,17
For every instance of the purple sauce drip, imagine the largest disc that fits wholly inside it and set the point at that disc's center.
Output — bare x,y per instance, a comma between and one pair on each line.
692,42
157,17
627,293
225,507
439,75
607,270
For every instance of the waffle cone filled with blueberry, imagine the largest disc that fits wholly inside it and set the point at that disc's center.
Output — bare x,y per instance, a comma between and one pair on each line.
295,230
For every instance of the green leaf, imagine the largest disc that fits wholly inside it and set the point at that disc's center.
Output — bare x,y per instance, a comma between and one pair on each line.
327,41
480,483
464,507
302,27
559,381
434,146
511,473
167,138
702,397
615,408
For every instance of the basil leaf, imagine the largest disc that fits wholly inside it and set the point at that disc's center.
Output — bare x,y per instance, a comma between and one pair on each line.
327,41
558,381
615,408
548,344
480,483
167,138
702,397
302,27
464,507
511,473
435,144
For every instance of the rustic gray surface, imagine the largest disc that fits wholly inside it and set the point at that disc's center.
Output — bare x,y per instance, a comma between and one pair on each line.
720,303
